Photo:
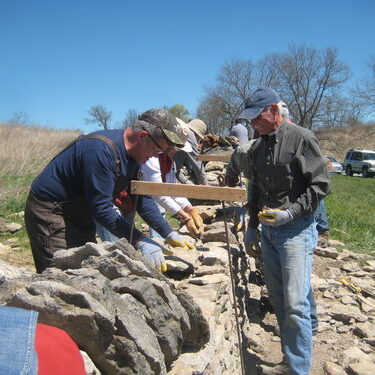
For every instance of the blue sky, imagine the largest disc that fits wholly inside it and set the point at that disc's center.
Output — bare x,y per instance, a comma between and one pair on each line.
60,57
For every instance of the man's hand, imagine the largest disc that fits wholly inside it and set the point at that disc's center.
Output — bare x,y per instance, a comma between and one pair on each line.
175,240
251,242
153,253
198,221
275,218
239,217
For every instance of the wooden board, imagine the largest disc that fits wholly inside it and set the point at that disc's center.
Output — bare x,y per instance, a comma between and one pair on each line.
189,191
208,157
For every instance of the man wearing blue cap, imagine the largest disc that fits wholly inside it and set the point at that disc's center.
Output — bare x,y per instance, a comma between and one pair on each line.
289,179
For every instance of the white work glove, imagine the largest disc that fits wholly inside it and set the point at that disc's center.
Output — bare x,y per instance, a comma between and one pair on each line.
251,242
275,218
175,240
153,253
239,214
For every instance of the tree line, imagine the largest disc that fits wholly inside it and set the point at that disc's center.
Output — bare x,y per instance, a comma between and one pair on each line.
311,81
102,117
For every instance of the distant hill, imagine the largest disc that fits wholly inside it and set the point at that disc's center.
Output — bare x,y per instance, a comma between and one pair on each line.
336,141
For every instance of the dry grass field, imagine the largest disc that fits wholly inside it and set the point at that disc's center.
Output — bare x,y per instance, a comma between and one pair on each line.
24,151
335,141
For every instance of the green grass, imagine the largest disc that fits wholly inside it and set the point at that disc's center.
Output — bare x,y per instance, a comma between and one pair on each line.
351,212
14,193
350,207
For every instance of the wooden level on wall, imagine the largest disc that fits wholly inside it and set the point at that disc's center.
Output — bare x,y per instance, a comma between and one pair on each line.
212,157
189,191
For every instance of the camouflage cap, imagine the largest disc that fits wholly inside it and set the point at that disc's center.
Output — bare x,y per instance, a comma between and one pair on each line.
168,124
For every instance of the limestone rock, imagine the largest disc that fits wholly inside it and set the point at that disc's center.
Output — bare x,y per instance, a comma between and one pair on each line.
362,368
331,368
10,227
218,234
72,258
328,252
124,314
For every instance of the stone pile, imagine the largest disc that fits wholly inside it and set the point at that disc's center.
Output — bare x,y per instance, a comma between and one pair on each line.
126,316
131,319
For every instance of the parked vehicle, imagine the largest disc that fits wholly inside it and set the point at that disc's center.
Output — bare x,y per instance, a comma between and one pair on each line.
336,166
360,161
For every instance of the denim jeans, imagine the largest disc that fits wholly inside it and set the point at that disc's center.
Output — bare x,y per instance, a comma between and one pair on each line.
17,341
153,232
321,218
104,234
287,257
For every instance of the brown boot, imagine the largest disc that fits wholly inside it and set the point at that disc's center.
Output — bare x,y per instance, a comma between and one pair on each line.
323,239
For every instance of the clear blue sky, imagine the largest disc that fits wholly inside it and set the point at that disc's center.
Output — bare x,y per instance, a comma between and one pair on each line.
60,57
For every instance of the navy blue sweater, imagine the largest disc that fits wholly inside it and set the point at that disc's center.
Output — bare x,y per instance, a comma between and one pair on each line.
88,168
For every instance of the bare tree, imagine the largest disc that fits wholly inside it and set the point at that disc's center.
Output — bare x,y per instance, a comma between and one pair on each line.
212,110
100,116
308,80
223,103
365,91
19,117
130,118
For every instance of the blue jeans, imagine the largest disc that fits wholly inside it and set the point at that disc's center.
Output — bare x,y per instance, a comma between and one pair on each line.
17,341
287,257
321,218
153,232
104,234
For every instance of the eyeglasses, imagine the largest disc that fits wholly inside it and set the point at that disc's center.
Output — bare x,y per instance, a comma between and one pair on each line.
159,149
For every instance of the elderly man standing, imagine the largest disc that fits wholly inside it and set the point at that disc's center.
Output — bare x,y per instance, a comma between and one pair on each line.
289,178
79,185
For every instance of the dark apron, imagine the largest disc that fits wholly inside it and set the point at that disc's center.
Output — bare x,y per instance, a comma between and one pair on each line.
53,226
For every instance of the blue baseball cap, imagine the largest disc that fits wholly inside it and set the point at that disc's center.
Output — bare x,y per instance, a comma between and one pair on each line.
259,99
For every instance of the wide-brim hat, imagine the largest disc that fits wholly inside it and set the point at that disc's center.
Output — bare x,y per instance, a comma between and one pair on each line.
183,135
198,127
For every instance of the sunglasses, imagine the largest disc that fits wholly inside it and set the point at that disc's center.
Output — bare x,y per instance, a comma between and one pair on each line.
159,149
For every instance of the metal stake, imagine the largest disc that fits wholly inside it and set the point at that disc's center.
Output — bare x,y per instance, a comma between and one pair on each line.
234,293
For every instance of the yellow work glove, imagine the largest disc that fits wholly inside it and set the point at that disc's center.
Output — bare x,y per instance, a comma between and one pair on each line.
198,221
153,253
175,240
191,227
274,217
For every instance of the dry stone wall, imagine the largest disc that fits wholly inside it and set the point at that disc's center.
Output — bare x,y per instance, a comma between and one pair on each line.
130,319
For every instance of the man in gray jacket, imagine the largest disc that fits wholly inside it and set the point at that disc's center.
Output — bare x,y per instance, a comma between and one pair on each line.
288,179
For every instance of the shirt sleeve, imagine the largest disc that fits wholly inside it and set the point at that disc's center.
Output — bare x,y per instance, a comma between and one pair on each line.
315,172
253,206
151,172
149,212
99,179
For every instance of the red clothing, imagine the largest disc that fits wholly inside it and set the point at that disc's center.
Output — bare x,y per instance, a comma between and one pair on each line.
57,353
165,164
